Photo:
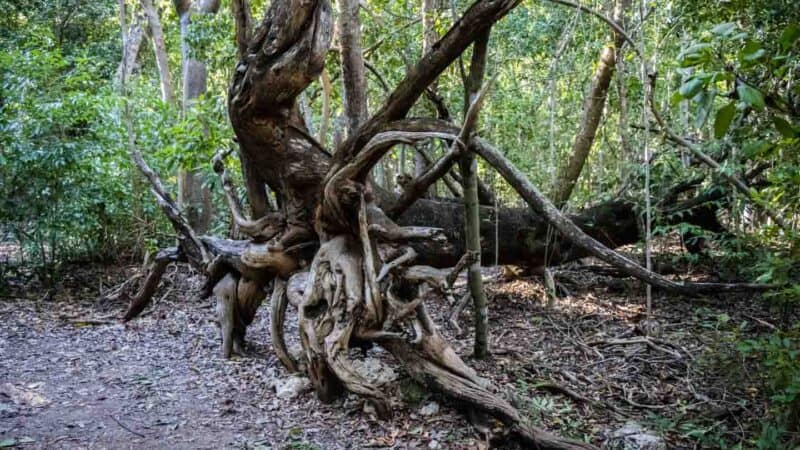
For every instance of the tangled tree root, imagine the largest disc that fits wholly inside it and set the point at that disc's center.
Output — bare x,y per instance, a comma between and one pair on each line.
340,309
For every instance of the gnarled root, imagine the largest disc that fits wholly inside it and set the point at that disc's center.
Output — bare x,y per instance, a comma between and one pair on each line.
277,319
425,368
238,300
334,303
334,313
434,363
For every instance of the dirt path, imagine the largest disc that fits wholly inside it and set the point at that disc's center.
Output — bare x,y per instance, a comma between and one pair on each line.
160,383
71,377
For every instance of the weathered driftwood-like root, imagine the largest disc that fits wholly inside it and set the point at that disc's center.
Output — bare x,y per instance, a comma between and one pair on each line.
334,312
148,289
225,292
455,311
277,319
264,228
335,300
434,364
238,300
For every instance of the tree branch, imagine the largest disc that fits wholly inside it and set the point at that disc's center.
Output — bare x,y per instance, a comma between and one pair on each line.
542,205
737,183
243,21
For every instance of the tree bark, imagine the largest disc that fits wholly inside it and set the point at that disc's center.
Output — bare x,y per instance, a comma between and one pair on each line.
132,45
160,49
240,9
429,37
354,76
593,106
469,174
193,197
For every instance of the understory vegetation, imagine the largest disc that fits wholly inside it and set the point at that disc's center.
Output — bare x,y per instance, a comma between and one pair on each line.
687,118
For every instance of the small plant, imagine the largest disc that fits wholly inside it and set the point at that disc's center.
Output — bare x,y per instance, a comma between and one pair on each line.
779,354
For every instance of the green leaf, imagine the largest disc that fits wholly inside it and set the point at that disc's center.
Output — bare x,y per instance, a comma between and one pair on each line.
695,54
691,88
756,148
697,48
724,29
789,36
674,99
5,443
705,102
751,52
755,56
784,127
751,96
723,120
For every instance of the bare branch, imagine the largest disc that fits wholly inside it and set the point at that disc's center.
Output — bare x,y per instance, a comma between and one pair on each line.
243,20
572,232
617,28
481,15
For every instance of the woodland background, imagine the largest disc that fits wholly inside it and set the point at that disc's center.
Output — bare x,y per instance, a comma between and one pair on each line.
728,71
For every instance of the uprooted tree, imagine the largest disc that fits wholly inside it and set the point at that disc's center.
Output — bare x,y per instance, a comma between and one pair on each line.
366,251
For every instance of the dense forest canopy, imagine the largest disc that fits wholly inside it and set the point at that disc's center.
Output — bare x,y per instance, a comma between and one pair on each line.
554,130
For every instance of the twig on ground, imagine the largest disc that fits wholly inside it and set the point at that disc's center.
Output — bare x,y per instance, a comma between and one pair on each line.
125,427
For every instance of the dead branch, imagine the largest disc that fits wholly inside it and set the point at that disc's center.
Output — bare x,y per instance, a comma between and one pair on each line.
170,208
568,229
617,28
264,228
277,318
480,15
148,288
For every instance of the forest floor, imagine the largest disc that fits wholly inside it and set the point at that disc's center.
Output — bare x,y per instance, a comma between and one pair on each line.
71,376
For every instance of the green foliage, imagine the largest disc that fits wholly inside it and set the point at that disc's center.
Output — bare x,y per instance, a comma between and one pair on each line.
779,356
58,176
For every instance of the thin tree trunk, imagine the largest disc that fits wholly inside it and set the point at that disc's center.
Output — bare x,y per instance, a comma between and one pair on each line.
325,80
193,197
592,113
472,225
240,9
353,69
160,49
429,37
132,44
